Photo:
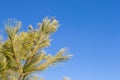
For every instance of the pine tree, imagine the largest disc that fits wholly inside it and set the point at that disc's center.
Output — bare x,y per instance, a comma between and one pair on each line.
22,53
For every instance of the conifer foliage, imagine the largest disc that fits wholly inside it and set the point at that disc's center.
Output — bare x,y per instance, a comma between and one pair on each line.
21,54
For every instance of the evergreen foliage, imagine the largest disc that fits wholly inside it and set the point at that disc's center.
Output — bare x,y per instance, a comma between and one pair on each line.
22,53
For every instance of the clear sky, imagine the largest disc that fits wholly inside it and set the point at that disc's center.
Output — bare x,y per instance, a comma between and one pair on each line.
90,29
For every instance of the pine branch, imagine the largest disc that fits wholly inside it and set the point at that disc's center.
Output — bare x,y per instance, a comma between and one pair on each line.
12,27
44,33
16,59
22,52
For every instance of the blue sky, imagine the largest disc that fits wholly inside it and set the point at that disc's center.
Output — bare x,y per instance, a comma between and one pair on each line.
90,29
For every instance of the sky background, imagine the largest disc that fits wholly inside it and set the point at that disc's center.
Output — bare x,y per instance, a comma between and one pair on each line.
90,29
